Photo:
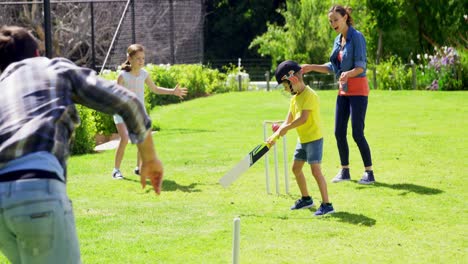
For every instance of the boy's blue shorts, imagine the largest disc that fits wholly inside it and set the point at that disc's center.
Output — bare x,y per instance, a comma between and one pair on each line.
310,151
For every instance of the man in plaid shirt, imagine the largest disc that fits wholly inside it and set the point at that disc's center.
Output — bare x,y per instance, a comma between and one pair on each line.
37,119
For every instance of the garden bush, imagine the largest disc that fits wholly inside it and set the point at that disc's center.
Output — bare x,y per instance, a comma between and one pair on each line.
463,53
444,70
232,81
392,74
83,139
198,79
105,122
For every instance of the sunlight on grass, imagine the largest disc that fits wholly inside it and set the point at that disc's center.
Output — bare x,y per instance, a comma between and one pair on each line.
415,213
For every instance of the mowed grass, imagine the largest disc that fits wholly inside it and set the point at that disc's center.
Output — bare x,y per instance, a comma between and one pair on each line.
415,213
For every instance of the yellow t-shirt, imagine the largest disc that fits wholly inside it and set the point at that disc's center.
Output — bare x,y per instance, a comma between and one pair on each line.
307,100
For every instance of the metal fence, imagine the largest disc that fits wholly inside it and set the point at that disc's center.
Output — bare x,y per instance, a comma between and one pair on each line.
83,30
257,68
261,74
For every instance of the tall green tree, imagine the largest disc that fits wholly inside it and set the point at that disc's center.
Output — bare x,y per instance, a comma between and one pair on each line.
439,23
385,15
304,37
407,28
230,26
299,29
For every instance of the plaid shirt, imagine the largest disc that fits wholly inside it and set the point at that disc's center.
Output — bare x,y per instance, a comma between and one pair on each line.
37,106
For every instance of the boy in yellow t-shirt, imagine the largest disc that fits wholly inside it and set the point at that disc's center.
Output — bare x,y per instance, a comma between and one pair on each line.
304,116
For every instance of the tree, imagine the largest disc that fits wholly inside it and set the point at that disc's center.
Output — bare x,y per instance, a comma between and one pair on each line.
305,36
407,28
397,28
439,23
231,25
386,15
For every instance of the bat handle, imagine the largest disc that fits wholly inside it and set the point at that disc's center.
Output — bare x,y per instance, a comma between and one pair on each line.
274,139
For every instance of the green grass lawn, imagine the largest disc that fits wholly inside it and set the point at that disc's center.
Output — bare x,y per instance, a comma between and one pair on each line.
415,213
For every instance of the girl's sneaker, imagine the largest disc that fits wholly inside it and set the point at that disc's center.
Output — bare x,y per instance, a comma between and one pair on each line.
117,175
324,209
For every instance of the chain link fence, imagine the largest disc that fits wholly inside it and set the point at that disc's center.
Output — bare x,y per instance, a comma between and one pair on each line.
83,30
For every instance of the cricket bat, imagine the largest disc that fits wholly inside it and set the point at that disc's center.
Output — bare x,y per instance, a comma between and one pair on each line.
245,164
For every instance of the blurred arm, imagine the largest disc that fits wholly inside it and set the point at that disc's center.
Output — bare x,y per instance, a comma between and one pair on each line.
322,68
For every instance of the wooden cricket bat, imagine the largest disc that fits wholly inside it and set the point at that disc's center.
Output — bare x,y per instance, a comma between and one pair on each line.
245,164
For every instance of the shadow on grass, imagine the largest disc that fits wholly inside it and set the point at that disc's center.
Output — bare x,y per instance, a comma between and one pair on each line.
280,217
355,219
170,186
407,188
344,217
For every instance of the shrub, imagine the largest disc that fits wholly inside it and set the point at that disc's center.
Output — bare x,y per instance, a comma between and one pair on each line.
463,69
215,81
83,140
444,70
198,79
425,76
155,125
104,123
232,80
392,75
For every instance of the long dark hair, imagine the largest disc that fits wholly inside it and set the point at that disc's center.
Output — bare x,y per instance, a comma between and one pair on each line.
16,44
343,11
131,50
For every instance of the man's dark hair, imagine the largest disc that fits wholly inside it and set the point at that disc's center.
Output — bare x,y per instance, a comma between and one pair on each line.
16,44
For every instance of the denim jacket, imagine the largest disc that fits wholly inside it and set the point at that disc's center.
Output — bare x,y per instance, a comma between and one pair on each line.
354,53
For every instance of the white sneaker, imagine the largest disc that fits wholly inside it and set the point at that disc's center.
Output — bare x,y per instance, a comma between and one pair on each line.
117,175
343,175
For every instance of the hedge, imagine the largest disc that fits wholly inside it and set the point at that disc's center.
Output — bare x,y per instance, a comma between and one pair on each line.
198,79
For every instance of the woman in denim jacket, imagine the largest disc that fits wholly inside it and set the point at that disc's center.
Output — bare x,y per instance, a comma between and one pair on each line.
348,63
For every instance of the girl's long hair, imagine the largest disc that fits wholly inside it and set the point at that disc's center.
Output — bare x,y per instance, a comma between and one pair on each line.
131,50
